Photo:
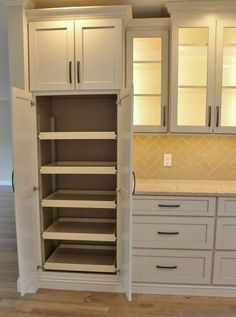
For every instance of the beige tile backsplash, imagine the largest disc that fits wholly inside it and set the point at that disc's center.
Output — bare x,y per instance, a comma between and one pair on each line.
193,157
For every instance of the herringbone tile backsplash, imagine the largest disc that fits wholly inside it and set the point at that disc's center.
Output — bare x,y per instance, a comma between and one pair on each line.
193,157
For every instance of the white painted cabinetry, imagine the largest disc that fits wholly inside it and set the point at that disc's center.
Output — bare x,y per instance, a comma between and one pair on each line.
76,54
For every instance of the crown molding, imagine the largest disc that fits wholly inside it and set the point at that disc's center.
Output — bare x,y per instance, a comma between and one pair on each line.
28,4
208,6
116,11
149,23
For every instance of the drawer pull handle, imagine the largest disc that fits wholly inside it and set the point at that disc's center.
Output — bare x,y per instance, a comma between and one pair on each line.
172,267
171,233
169,206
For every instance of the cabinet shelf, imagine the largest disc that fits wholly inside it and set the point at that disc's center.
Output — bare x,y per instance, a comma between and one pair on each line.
105,135
81,229
148,62
79,167
80,199
75,258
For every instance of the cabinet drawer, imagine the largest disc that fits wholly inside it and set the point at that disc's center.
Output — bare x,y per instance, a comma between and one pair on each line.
225,268
227,206
226,233
163,205
159,266
173,232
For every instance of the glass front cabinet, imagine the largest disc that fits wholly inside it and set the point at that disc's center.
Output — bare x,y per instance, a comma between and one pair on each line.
203,81
148,73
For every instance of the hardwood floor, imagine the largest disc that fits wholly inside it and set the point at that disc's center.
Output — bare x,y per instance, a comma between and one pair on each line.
55,303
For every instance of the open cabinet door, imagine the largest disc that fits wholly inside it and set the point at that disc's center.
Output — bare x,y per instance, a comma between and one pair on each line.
25,196
125,111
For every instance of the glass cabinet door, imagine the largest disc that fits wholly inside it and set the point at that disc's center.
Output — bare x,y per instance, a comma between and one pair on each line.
226,79
149,78
192,96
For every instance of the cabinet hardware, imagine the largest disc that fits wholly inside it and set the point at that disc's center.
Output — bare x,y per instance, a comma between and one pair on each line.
70,74
164,116
170,233
35,188
217,116
12,181
209,116
172,267
168,206
78,72
33,103
134,184
39,267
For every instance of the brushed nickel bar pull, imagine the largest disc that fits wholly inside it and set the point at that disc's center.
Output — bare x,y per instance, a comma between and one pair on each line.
168,206
78,72
164,116
169,233
134,176
12,181
70,74
217,116
209,116
172,267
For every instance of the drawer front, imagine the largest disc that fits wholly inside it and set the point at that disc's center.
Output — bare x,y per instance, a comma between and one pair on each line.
224,268
226,234
173,232
159,266
227,206
163,205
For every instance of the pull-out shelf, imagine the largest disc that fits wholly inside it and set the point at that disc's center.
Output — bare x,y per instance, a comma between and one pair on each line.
80,199
74,167
75,258
104,135
81,229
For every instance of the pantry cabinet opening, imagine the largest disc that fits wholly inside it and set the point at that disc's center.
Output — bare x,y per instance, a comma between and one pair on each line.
77,148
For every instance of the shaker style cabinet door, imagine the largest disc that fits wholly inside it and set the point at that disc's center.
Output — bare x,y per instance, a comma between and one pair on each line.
98,54
51,50
225,102
192,84
25,196
147,60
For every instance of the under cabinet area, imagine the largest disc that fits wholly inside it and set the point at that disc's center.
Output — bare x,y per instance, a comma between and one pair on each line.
77,146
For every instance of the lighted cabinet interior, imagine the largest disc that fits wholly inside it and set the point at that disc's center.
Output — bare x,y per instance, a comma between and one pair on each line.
203,86
148,59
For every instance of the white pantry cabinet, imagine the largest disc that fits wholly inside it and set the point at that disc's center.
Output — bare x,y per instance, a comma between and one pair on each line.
72,163
68,55
77,48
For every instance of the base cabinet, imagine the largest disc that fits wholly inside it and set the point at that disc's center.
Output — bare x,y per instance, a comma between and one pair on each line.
190,250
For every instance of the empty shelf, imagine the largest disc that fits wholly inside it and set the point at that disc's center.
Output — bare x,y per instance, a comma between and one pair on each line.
80,199
72,258
79,168
81,229
105,135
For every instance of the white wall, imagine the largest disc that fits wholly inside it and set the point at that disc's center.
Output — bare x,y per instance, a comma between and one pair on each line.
5,143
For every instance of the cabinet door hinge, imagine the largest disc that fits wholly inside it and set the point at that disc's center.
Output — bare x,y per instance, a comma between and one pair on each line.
35,188
117,190
39,267
33,104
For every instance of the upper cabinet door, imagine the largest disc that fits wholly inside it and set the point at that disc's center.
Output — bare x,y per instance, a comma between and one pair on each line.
25,196
192,85
51,46
98,49
148,72
225,102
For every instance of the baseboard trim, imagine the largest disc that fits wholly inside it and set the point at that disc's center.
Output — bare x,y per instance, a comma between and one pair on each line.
193,290
79,282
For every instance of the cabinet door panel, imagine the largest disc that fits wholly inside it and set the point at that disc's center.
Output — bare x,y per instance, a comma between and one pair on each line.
51,47
225,77
98,54
25,197
192,91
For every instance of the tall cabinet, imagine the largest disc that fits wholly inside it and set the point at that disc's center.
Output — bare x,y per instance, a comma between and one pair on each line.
73,181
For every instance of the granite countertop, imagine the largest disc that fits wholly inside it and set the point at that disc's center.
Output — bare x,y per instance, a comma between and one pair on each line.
185,187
